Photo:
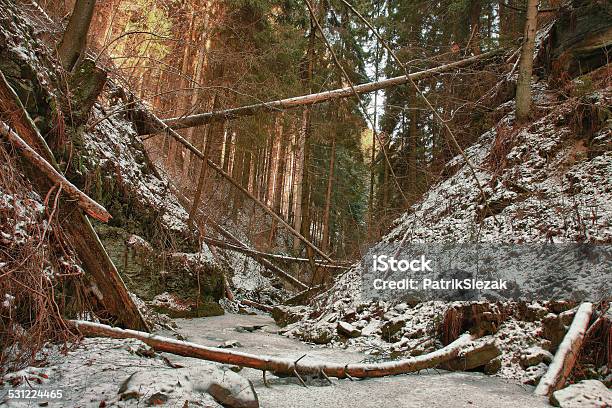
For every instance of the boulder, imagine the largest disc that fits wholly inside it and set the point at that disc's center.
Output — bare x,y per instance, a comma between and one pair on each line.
285,315
391,327
534,356
317,335
347,330
475,358
553,329
224,386
585,394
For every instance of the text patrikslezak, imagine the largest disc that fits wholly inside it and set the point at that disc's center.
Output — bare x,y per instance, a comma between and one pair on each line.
383,263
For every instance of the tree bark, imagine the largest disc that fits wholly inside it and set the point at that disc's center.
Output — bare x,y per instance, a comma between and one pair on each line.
311,99
279,365
74,41
567,353
328,197
523,86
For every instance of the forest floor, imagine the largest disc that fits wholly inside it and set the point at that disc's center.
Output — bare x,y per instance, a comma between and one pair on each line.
437,388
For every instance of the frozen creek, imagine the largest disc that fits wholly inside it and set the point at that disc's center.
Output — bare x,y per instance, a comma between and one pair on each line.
427,389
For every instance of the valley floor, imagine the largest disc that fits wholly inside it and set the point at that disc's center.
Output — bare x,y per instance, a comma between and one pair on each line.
428,389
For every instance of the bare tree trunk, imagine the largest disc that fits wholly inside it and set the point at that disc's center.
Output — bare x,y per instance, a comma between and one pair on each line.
328,196
567,354
523,86
74,41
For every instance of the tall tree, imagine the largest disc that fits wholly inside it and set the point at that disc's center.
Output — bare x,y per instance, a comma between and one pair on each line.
74,41
523,86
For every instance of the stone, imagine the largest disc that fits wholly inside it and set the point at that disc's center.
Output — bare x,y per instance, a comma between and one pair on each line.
391,327
230,344
553,329
285,315
493,366
475,358
534,356
585,394
317,335
347,330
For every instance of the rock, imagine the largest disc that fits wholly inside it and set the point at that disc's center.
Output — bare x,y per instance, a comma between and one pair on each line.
493,366
285,315
230,344
553,329
391,327
401,308
159,398
534,356
475,358
318,335
585,394
534,373
224,386
347,330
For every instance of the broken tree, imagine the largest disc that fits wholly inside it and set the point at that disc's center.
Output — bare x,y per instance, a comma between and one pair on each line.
114,298
567,354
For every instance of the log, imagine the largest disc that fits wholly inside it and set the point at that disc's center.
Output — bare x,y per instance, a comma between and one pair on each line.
279,365
86,203
312,99
237,185
567,353
285,258
116,300
258,306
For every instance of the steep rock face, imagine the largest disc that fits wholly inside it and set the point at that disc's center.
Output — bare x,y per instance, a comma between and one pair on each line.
101,154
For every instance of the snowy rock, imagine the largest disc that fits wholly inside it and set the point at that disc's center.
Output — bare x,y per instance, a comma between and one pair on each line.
230,344
585,394
534,356
391,327
347,329
226,387
285,315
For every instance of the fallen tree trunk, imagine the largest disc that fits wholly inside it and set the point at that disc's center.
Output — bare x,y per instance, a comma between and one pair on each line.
115,298
258,306
277,365
567,353
311,99
248,251
90,206
237,185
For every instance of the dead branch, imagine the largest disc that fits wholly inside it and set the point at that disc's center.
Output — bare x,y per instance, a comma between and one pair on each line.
282,366
227,245
312,99
88,205
566,355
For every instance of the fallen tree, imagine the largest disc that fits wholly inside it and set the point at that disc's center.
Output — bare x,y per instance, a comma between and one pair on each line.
285,366
567,353
248,251
114,297
311,99
88,205
263,261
